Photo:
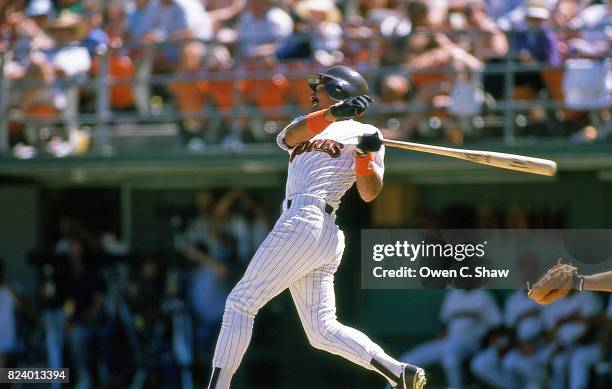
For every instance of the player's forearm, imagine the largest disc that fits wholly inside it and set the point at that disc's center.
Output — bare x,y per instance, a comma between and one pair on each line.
601,282
301,131
369,186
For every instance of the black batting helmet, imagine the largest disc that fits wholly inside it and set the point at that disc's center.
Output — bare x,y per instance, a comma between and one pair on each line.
340,82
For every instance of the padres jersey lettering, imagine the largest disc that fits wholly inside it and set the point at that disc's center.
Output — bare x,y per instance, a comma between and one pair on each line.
331,147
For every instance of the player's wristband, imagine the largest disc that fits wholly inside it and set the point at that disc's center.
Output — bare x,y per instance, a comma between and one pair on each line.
577,281
316,122
362,164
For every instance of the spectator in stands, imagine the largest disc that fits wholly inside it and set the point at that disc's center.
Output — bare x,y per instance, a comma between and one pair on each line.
30,34
115,23
170,21
533,42
94,34
562,14
593,24
30,76
203,245
489,44
70,62
86,328
498,8
190,21
322,18
468,315
39,13
136,21
516,18
262,27
425,51
536,41
394,30
8,305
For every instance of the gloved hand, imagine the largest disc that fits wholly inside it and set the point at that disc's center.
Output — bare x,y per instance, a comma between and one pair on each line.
554,284
368,143
352,107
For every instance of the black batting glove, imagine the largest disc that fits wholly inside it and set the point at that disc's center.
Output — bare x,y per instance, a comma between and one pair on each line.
352,107
368,143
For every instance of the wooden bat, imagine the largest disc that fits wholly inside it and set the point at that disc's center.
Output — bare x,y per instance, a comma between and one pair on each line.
520,163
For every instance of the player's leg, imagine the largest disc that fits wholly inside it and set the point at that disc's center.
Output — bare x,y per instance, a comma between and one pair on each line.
287,254
315,301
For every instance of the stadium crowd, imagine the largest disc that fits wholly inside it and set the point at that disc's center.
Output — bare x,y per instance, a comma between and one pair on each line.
233,68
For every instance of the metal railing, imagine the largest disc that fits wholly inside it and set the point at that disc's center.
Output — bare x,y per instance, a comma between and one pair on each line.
104,115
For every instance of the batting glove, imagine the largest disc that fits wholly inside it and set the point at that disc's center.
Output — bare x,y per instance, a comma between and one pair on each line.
368,143
352,107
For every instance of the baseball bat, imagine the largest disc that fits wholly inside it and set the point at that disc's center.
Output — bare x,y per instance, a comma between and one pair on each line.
520,163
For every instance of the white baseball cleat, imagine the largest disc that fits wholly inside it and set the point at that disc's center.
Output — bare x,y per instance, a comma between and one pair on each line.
412,377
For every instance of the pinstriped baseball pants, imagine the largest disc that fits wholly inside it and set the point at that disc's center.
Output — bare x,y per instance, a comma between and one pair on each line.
301,253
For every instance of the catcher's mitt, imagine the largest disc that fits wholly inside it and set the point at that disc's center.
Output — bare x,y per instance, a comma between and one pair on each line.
554,284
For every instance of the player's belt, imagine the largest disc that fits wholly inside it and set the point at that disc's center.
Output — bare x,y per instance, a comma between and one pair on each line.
328,208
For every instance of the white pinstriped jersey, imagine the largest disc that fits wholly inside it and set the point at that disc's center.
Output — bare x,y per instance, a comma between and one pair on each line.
325,165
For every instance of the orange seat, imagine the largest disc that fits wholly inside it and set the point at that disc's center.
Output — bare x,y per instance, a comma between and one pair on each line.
419,79
524,92
189,97
267,92
41,112
120,69
222,91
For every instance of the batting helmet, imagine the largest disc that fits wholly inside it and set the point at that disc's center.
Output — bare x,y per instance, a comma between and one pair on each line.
340,82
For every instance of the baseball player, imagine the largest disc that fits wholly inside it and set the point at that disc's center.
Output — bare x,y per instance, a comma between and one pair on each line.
328,153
